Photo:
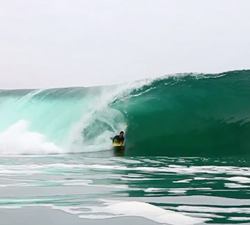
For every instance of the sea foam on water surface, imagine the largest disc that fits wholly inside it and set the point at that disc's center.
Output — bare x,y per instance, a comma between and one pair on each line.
146,210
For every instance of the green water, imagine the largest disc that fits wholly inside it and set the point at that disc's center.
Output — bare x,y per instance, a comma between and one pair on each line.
204,115
186,160
87,188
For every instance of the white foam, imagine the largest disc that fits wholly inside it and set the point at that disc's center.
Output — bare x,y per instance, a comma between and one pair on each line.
37,168
155,189
239,218
203,215
147,211
213,209
233,185
200,178
17,139
178,191
134,179
171,190
239,179
182,181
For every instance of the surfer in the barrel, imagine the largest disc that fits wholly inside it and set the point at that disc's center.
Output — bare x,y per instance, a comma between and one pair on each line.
119,139
118,144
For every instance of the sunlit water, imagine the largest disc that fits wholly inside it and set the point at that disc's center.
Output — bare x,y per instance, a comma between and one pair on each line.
81,189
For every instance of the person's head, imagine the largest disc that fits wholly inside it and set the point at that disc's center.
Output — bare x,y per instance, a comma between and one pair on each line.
121,134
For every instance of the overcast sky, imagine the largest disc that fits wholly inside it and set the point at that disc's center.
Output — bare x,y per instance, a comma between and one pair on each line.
55,43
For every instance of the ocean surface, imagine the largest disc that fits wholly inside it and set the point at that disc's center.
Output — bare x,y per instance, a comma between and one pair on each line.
186,162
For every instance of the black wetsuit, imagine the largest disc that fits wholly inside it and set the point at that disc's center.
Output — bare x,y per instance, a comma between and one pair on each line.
118,139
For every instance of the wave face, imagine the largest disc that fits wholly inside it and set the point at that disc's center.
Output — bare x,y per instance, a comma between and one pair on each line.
181,115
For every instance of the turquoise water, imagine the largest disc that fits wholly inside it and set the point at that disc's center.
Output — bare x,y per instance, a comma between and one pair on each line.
186,161
185,115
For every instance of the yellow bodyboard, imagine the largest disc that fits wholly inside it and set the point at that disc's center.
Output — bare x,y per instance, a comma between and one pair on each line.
117,144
